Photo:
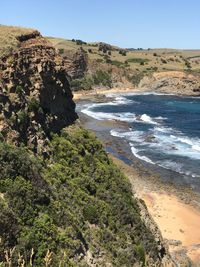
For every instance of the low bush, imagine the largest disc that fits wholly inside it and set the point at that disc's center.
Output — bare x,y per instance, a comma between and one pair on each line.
102,77
137,60
33,104
19,90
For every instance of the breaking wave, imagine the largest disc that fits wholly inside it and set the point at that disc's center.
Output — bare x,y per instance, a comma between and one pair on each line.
152,133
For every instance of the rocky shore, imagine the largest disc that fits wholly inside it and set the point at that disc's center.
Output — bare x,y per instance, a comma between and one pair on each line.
175,210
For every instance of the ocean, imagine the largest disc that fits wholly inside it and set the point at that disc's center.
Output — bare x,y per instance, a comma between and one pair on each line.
162,131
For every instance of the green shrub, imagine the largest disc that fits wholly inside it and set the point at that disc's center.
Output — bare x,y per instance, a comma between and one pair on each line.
137,60
136,78
33,104
91,214
188,64
117,63
22,119
80,42
19,90
85,83
164,61
102,78
122,52
141,253
61,51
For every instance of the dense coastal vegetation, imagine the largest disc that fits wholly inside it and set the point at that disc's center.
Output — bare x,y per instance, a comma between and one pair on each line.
74,202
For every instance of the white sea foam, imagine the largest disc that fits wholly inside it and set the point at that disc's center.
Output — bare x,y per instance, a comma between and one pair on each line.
123,116
117,100
134,136
174,166
196,147
162,141
163,129
176,144
138,93
136,154
171,165
147,119
160,118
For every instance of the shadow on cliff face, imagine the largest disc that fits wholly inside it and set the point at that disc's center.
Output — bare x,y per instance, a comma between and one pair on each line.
56,99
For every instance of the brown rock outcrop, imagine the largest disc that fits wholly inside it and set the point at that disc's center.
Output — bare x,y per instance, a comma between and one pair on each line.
175,82
35,95
76,64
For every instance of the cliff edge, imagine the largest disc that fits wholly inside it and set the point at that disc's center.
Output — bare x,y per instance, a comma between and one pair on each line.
35,93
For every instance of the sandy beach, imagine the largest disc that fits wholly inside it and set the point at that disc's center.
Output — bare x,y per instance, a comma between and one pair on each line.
95,92
177,220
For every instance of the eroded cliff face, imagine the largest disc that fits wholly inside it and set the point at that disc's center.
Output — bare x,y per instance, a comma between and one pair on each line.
176,82
76,64
35,95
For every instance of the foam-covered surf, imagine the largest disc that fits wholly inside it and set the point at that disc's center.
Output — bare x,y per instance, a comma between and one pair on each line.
162,130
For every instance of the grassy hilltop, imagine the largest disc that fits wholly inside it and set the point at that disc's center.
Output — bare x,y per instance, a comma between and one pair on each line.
117,65
156,59
8,36
112,66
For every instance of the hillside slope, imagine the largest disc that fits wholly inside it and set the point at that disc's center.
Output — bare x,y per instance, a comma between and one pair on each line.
97,65
111,66
8,40
63,201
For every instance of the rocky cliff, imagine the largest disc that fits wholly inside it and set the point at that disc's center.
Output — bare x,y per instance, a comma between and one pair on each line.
76,63
35,93
176,82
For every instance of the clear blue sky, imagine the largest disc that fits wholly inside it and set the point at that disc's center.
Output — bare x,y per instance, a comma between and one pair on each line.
127,23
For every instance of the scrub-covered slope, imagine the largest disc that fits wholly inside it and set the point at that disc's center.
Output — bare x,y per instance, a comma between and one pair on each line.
62,200
77,205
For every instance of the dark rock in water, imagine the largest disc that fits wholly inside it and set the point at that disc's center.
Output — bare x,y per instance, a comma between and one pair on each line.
150,138
35,94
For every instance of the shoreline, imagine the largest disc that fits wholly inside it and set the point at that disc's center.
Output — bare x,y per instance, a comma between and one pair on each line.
175,209
177,220
97,92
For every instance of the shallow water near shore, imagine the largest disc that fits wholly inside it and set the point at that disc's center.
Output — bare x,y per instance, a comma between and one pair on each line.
161,131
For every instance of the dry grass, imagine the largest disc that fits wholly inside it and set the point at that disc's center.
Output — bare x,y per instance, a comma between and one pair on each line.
173,59
9,258
8,36
157,59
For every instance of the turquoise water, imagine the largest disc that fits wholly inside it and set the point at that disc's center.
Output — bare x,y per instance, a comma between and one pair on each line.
162,130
